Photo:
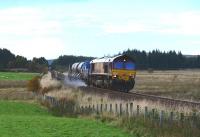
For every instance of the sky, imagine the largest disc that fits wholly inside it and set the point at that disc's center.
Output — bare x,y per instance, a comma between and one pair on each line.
50,28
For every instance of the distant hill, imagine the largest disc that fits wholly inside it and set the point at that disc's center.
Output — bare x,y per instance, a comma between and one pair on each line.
50,61
63,62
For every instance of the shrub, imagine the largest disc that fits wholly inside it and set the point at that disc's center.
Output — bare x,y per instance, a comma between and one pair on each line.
34,84
63,107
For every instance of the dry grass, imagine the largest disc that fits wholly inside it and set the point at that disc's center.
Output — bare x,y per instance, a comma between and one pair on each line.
47,84
14,90
15,94
85,99
13,83
47,81
183,84
134,125
164,83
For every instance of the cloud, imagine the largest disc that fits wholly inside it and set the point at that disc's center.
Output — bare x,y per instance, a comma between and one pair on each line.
185,23
29,32
52,30
35,32
48,47
195,43
126,28
26,21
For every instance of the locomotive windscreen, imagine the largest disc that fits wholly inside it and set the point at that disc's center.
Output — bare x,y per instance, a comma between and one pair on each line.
129,65
124,65
118,65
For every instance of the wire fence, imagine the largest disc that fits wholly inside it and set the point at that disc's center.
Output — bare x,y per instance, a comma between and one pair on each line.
160,117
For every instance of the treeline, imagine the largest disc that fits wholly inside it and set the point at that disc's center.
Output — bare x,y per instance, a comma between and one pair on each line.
144,60
63,62
8,61
163,60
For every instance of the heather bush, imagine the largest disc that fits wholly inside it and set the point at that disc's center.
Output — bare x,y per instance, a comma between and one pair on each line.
34,84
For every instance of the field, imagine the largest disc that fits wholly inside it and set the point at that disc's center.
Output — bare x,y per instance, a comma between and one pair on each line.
20,116
24,119
16,76
29,119
13,85
181,84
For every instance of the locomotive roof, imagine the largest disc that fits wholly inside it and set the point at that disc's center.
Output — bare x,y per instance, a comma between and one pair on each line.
107,59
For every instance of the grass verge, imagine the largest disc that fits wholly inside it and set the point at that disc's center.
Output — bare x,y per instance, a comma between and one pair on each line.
30,120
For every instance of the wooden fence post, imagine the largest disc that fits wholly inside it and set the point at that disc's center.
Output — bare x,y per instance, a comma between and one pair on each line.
101,108
131,109
182,118
97,109
86,110
82,109
120,109
56,103
194,118
116,111
145,112
51,100
161,118
171,117
127,114
110,108
106,107
153,113
138,110
93,109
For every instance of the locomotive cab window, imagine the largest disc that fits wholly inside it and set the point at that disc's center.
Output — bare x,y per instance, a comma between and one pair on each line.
129,65
118,65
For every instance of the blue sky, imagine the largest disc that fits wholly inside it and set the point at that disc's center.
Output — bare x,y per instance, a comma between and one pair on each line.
51,28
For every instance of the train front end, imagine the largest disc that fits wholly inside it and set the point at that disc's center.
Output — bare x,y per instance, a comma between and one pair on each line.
123,73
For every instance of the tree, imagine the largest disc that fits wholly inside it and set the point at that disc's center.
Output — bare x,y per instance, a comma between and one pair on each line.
5,57
39,65
63,62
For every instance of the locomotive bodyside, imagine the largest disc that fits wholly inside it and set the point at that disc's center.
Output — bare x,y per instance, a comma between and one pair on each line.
116,73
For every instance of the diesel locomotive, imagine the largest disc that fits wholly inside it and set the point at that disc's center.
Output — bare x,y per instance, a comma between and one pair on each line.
117,73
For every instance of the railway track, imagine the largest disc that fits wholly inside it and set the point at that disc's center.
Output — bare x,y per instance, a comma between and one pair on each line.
140,96
170,102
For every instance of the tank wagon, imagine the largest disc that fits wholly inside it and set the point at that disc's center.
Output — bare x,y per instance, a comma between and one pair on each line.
117,73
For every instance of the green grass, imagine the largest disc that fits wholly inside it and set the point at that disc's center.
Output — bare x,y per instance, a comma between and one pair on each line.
16,75
19,119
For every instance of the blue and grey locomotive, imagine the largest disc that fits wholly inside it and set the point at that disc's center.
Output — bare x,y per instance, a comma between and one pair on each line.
116,73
